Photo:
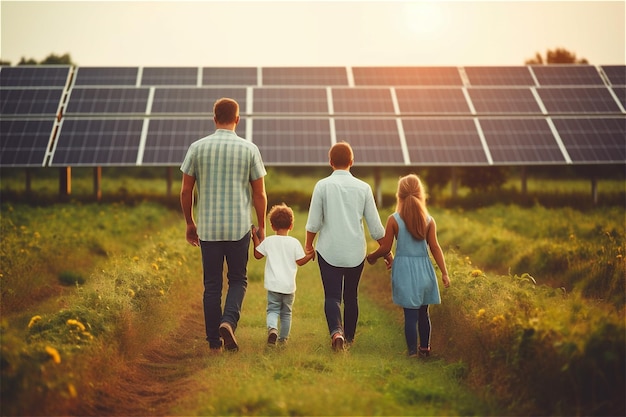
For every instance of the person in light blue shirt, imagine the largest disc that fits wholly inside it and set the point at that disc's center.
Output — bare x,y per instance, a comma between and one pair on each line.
228,173
339,204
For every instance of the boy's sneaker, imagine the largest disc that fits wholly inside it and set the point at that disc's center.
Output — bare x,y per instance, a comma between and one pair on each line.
424,352
227,334
338,342
272,336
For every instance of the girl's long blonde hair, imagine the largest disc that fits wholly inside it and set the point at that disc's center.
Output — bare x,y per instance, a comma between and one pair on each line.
411,205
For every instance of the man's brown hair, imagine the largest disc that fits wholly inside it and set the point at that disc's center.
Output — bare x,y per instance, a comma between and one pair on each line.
225,111
281,216
341,155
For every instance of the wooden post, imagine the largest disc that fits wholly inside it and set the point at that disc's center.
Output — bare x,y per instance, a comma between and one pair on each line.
97,183
65,181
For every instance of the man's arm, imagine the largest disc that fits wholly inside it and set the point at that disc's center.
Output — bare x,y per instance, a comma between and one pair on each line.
259,200
186,203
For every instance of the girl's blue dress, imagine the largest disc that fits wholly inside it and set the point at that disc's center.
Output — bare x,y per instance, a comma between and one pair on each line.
413,278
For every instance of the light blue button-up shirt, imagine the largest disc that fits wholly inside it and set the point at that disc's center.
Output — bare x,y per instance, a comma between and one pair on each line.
339,204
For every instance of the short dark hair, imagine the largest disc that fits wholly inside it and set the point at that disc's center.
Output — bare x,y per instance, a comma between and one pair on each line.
341,155
225,110
281,216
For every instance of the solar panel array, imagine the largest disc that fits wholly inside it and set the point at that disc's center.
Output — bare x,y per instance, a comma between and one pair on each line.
392,116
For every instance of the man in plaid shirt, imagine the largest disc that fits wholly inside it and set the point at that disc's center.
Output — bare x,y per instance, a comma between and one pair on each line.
228,173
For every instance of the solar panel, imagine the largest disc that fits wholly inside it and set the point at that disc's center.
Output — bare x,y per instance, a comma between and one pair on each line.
443,141
578,100
169,76
167,140
106,76
615,73
593,139
504,100
108,101
375,141
34,76
97,142
24,142
499,76
290,100
199,100
305,76
292,141
432,100
620,93
30,102
402,76
521,141
229,76
362,101
577,75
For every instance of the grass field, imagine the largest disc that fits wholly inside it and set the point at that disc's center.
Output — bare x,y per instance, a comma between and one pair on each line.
101,315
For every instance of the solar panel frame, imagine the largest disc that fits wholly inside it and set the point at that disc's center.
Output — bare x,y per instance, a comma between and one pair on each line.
374,140
293,141
435,141
431,101
196,100
615,73
508,76
521,141
405,76
574,100
106,76
34,76
562,75
97,142
503,100
25,142
290,100
593,139
620,93
304,76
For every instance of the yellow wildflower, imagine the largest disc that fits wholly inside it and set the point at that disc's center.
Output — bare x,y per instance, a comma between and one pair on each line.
72,322
499,319
54,354
476,273
33,321
71,389
480,313
131,293
135,258
155,267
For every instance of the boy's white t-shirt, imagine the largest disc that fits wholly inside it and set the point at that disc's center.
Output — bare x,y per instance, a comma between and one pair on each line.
281,253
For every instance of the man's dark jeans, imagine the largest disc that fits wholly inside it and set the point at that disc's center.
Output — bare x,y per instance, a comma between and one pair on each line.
341,283
213,255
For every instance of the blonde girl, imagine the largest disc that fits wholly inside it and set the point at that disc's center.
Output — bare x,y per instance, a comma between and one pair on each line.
413,279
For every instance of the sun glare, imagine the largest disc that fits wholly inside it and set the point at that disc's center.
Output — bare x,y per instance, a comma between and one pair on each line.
423,17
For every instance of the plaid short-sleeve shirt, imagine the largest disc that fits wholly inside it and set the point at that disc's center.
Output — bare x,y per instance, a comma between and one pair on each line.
223,165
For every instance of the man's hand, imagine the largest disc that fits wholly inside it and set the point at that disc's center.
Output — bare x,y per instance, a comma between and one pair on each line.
192,235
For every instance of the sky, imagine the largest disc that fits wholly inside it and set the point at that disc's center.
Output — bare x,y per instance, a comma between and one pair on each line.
311,33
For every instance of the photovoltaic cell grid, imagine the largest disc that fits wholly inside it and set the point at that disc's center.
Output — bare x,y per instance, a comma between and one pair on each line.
24,141
499,76
432,101
439,141
105,76
34,76
152,76
590,140
108,101
586,100
504,100
97,142
30,102
573,75
292,141
229,76
365,101
167,140
199,100
305,76
403,76
375,141
615,73
515,141
620,92
290,100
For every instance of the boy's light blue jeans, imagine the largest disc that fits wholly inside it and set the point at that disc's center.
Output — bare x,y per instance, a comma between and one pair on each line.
280,306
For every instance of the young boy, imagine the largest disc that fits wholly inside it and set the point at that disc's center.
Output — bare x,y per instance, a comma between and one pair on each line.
284,254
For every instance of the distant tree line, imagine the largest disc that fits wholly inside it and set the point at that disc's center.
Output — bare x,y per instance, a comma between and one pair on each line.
52,59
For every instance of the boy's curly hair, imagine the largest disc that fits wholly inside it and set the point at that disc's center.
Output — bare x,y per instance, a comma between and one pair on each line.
281,216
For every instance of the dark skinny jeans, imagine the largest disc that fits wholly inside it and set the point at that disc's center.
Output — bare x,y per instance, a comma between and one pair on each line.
414,320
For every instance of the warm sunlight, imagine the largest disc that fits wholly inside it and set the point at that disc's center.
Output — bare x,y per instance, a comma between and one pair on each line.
423,17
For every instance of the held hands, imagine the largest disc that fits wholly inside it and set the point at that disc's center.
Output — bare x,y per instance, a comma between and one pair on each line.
388,259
